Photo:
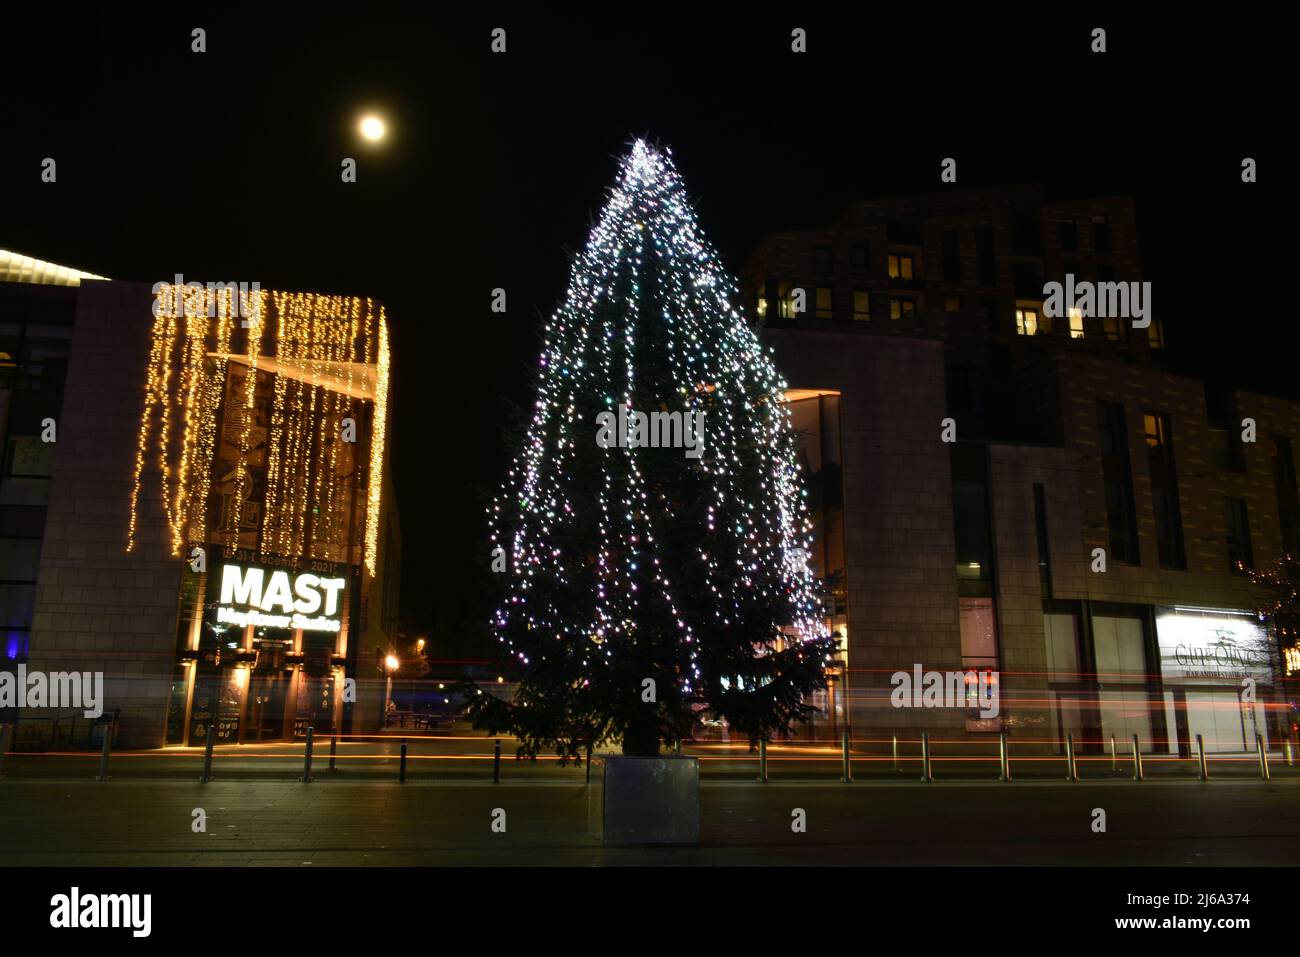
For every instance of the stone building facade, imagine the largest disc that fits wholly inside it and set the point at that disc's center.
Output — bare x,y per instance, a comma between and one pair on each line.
163,471
1027,494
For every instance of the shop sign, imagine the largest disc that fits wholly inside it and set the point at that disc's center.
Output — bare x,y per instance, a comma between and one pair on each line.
1212,646
276,598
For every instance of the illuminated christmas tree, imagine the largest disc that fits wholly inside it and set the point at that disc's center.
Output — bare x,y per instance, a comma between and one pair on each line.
653,523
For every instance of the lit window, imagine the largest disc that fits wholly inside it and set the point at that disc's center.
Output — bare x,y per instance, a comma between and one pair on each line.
952,304
760,305
1155,335
861,305
824,307
1026,321
1154,430
899,308
1113,327
900,267
785,296
1076,322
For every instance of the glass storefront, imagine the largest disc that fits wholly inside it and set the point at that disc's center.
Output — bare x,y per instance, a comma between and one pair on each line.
261,655
1218,671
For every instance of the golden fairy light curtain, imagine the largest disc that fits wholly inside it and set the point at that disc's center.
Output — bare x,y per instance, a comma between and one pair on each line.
325,356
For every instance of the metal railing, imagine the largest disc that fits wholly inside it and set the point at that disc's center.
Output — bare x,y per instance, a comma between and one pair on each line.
871,758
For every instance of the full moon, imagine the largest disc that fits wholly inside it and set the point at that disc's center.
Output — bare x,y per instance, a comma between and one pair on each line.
372,128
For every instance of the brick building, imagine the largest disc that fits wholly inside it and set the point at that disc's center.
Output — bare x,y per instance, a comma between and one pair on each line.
974,460
194,503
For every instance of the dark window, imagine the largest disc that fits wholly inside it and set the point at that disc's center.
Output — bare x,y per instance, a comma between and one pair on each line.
1026,233
904,231
1225,428
1164,490
17,605
860,256
992,314
1105,272
985,260
1071,268
823,260
959,392
951,256
1236,525
1040,527
1028,279
1121,513
1101,235
26,471
1069,235
970,511
1288,510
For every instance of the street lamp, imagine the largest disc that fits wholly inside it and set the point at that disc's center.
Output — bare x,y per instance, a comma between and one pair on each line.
391,664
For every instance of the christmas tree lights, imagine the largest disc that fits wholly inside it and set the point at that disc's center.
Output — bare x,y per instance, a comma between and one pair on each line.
636,564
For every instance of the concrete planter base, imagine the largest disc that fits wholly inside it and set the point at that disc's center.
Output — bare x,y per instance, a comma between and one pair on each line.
645,800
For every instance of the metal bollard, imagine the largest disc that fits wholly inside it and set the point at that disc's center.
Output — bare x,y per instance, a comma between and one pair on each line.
1114,757
1137,760
1263,756
1071,768
496,762
6,731
925,757
1286,750
207,754
1004,758
895,752
107,750
848,763
334,750
306,761
762,761
401,767
1200,757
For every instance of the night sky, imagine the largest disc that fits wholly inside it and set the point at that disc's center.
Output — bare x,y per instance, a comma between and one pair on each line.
224,166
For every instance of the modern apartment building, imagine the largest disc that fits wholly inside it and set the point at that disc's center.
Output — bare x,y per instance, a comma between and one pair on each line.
996,488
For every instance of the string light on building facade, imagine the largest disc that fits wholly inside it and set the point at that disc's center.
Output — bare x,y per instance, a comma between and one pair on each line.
304,363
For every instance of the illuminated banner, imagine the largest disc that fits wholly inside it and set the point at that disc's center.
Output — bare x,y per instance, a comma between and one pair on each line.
1212,646
275,598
